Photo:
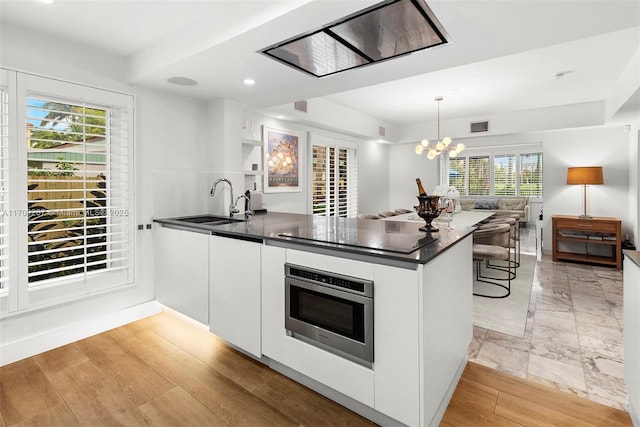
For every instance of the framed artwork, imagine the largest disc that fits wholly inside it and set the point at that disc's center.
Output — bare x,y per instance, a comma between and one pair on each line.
282,162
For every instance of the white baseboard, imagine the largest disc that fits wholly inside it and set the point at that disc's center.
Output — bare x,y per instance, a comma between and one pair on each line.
30,346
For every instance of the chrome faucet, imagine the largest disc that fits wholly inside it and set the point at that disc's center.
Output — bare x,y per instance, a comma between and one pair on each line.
232,206
247,196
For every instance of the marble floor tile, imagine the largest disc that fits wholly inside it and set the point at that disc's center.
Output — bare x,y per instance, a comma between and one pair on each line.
605,388
591,304
505,359
601,340
555,351
556,336
570,375
560,320
584,318
573,335
554,301
600,364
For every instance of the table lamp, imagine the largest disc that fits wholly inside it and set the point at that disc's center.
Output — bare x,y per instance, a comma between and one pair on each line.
585,175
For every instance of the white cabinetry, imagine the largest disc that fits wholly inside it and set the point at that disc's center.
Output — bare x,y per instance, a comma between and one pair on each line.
333,371
235,290
181,271
631,334
252,169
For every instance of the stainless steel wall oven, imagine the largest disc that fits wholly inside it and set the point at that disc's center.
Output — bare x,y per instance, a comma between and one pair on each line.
331,311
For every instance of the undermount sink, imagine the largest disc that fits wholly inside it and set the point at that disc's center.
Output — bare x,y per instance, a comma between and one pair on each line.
209,219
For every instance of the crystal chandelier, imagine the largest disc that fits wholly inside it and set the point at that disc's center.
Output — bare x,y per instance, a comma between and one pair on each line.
443,145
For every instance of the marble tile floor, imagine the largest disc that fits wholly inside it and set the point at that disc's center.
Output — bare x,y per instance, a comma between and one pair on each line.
573,337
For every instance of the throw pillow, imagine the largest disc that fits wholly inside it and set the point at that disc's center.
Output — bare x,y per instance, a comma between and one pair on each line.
487,204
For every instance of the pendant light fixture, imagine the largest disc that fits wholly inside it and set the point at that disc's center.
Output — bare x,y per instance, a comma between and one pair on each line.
442,145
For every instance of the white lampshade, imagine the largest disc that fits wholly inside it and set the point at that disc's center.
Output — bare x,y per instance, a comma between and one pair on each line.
439,146
424,142
419,149
453,153
459,147
431,154
446,141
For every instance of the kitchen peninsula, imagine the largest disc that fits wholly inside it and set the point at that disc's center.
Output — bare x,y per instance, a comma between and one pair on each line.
421,302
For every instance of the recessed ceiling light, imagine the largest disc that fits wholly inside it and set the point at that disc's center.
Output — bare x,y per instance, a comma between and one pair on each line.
46,1
182,81
280,116
249,82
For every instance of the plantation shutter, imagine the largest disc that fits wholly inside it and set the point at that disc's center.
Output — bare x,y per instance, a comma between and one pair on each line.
457,174
531,173
479,170
334,179
504,175
79,191
319,193
4,188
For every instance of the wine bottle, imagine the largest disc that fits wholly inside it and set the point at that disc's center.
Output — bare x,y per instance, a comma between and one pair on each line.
421,191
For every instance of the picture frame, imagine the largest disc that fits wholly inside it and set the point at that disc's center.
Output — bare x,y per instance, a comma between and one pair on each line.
282,161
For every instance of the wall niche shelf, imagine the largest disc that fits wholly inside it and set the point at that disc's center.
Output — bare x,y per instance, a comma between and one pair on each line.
252,155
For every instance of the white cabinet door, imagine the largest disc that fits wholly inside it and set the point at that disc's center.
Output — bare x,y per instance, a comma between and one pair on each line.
234,280
397,346
181,271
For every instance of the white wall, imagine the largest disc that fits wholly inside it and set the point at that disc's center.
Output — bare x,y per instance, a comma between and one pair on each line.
373,177
606,147
404,167
170,136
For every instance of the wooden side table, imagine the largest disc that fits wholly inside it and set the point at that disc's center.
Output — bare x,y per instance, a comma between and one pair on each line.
575,232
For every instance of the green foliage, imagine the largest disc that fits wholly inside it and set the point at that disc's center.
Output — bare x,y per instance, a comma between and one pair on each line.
68,123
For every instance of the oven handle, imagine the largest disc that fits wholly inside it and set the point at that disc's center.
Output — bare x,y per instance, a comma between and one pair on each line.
291,281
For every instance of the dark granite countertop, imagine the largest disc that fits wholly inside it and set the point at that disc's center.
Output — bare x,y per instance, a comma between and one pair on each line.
633,256
392,241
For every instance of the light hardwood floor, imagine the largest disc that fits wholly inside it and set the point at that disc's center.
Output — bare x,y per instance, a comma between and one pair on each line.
167,370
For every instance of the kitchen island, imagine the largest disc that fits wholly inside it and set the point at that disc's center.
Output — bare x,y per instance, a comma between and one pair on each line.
422,305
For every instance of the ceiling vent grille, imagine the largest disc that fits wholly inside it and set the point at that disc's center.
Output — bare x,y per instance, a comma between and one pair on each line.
477,127
300,106
381,131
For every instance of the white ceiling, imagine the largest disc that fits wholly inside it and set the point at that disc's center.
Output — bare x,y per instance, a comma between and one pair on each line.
502,56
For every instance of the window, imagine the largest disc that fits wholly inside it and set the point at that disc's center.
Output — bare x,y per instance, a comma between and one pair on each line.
531,174
479,175
498,174
71,189
504,175
458,174
334,178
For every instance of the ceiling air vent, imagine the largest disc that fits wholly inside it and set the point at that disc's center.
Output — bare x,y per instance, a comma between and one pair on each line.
479,127
300,106
381,131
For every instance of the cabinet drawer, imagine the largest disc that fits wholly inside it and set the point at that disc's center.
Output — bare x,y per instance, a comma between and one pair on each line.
586,225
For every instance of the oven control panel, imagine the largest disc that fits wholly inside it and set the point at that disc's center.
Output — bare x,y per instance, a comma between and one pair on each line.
322,277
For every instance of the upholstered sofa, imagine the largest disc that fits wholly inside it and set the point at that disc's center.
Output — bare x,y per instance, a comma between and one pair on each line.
502,205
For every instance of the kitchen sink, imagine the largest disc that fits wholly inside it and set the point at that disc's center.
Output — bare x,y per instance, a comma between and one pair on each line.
209,219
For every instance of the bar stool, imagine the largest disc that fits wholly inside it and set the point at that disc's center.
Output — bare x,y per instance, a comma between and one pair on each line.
493,242
516,235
